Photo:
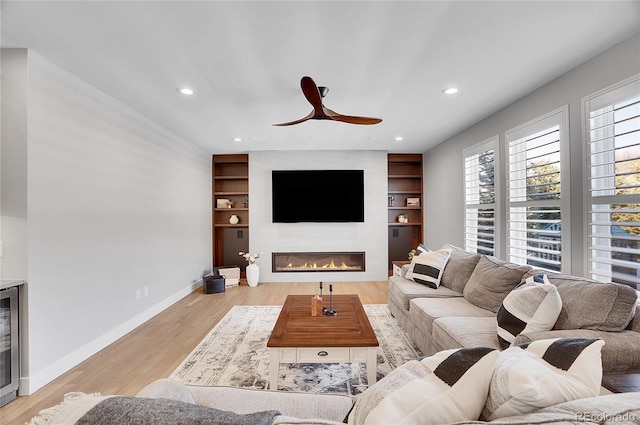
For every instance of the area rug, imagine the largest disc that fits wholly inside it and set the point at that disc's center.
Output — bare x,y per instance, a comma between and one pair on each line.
235,354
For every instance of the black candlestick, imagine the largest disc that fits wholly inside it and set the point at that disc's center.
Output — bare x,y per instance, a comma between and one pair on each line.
324,309
331,311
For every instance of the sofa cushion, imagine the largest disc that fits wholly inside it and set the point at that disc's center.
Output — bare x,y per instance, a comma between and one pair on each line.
465,332
588,304
491,281
402,291
459,269
542,374
427,267
532,306
446,387
423,311
621,351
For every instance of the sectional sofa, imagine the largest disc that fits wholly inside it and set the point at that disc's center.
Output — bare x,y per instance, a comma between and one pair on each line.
462,310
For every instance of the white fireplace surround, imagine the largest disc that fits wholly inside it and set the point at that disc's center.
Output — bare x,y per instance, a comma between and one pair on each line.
369,237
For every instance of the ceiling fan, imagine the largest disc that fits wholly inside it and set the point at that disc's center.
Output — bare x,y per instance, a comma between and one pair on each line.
314,95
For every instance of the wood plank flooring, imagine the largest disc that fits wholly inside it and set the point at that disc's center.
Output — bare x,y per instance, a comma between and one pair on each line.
156,348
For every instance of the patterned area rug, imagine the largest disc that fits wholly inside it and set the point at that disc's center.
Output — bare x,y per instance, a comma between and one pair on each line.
235,354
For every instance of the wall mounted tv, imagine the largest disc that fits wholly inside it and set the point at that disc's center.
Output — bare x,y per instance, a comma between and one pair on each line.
318,196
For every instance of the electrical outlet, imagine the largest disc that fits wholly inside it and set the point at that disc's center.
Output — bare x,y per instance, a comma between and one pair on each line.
138,294
146,291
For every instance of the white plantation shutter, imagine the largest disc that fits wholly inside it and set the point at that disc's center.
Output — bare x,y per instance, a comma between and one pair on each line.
480,197
537,209
612,119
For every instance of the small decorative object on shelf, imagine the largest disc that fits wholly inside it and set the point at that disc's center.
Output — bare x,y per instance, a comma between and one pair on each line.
413,202
246,203
234,219
391,199
222,203
402,218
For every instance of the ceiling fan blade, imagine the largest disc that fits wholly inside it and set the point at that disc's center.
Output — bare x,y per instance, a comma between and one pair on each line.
311,92
332,115
308,117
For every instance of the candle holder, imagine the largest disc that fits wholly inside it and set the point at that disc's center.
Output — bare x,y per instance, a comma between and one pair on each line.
331,311
324,309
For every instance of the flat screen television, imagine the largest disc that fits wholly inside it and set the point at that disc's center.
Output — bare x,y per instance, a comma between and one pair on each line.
318,196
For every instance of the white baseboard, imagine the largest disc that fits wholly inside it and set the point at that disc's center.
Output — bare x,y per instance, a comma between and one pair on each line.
30,384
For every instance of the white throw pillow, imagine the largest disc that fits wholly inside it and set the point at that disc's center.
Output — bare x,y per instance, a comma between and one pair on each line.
449,386
532,306
427,267
544,373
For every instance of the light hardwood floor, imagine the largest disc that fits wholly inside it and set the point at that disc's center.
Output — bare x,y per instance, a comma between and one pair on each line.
156,348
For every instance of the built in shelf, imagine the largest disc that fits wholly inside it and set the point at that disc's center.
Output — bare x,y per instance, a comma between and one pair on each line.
230,193
405,208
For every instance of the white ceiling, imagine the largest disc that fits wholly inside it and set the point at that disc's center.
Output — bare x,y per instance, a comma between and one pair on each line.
385,59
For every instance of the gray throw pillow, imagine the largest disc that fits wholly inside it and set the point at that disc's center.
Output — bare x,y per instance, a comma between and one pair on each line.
491,281
589,304
459,269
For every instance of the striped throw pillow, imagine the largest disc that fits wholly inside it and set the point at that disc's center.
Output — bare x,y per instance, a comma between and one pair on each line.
544,373
446,387
532,306
427,267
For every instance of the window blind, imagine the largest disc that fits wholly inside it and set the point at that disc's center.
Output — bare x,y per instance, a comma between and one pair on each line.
480,197
534,194
613,136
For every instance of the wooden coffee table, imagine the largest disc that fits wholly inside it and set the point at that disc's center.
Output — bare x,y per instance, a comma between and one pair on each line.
298,337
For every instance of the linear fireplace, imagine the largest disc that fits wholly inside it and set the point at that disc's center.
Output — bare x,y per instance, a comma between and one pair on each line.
318,262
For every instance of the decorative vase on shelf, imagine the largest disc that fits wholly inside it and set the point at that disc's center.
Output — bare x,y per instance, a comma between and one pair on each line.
253,274
234,219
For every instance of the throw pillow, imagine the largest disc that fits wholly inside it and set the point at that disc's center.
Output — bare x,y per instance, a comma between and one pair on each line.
422,249
459,269
491,281
588,304
427,267
532,306
544,373
449,386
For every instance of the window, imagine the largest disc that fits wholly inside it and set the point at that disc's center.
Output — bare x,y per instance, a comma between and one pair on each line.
612,119
537,210
480,197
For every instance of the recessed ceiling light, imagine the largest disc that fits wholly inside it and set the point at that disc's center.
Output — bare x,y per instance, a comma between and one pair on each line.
237,139
398,138
186,91
450,90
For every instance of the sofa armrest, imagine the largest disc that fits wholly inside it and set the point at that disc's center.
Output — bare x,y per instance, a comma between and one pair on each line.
167,388
329,407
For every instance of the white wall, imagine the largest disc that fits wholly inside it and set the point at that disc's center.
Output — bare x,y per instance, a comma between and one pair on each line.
443,190
370,236
13,168
115,204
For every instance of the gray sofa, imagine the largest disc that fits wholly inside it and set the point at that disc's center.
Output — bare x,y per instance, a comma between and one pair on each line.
320,409
461,312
